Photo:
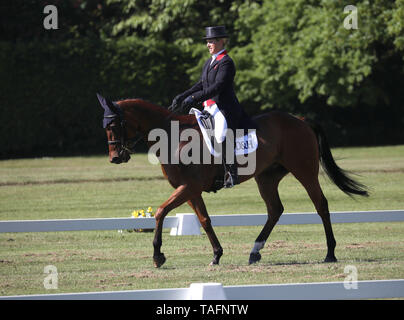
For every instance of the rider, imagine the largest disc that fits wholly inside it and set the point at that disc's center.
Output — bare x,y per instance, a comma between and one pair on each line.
216,87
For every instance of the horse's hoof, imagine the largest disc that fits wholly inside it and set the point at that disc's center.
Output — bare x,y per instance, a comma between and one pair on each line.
216,257
214,263
254,257
159,260
330,259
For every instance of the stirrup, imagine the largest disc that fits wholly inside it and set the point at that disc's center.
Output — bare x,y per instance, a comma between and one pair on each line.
230,179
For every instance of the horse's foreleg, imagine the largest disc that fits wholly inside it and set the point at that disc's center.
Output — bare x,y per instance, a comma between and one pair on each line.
179,196
198,205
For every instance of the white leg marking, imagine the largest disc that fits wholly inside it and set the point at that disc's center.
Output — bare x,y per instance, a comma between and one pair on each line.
258,246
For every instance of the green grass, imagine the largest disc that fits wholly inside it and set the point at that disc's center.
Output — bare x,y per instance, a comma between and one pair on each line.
108,260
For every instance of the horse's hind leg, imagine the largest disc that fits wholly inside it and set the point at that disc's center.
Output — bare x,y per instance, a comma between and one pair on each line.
313,188
268,182
199,207
321,204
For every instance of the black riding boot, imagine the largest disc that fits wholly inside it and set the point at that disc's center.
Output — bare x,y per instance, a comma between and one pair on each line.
230,170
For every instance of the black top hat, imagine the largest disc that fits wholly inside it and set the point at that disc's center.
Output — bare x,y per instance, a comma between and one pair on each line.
216,32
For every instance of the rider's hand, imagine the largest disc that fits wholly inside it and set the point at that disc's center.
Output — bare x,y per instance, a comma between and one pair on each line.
176,103
187,102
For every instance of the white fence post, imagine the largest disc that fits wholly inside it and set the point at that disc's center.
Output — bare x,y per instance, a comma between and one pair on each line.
188,225
206,291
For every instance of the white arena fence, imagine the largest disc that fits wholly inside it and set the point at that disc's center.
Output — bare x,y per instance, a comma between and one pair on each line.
375,289
188,224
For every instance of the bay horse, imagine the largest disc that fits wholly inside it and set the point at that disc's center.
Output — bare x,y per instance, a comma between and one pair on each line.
285,144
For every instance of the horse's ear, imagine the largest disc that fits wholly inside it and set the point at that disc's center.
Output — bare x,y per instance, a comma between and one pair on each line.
111,112
113,107
108,105
102,101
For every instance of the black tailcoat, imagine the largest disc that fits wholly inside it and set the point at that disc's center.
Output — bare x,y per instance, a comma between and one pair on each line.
216,83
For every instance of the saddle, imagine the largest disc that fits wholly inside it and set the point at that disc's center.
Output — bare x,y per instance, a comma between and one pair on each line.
213,126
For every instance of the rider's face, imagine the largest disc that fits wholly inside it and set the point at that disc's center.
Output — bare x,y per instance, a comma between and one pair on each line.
215,45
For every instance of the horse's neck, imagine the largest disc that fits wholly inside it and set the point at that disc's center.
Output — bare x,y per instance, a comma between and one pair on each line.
145,115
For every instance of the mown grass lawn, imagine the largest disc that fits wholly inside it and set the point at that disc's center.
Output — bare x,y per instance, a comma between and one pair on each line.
107,260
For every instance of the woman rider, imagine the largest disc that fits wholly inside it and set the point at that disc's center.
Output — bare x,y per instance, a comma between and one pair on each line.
216,87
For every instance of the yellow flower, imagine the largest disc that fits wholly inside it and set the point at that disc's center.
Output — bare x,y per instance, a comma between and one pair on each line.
135,213
142,213
149,213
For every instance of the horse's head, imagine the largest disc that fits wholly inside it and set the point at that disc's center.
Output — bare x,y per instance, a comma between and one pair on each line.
115,126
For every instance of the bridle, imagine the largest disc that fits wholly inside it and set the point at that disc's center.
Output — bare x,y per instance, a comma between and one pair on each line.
126,144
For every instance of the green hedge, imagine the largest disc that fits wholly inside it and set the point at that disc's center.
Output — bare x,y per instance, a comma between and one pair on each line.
47,96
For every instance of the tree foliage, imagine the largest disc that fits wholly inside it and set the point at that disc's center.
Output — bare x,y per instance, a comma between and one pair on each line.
294,55
177,21
301,49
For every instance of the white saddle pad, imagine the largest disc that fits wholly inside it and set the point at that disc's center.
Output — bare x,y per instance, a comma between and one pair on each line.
244,144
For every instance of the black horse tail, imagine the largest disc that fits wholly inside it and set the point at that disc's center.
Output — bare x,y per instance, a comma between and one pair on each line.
339,176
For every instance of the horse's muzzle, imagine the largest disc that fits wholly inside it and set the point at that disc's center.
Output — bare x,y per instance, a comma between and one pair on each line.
116,160
122,157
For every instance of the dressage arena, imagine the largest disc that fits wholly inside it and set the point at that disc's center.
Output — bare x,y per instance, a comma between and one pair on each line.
187,224
80,206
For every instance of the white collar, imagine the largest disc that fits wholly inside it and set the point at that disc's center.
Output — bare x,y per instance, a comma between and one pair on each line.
214,56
